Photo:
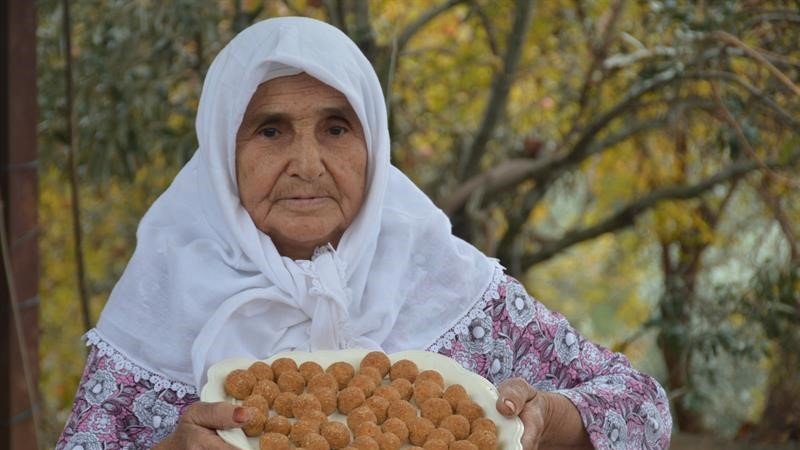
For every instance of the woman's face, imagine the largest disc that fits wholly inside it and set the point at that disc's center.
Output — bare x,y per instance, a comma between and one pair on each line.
301,163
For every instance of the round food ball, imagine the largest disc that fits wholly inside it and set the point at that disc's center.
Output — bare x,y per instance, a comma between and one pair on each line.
440,434
404,387
454,394
274,441
367,429
327,399
363,382
239,384
255,425
430,375
261,370
349,399
314,415
336,433
278,424
388,441
258,402
308,369
378,360
373,373
292,382
435,409
283,404
405,368
397,427
414,447
435,444
343,372
469,409
379,406
283,365
418,430
425,389
388,392
301,429
463,445
484,423
365,443
323,380
267,389
401,409
305,403
456,424
360,415
483,439
314,441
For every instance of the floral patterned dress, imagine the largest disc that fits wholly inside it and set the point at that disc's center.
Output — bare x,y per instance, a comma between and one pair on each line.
506,334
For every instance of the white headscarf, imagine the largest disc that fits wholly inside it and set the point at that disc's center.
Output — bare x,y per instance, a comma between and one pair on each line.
205,284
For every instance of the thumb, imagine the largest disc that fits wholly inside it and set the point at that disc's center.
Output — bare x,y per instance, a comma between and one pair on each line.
217,416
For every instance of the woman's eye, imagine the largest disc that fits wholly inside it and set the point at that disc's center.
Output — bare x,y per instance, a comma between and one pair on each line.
269,132
337,131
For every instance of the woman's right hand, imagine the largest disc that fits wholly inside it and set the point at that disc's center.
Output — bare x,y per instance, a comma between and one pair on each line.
197,426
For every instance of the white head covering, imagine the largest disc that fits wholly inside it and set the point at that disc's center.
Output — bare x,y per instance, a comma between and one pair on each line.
205,284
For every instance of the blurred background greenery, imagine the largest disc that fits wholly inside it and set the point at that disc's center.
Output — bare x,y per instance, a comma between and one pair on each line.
635,163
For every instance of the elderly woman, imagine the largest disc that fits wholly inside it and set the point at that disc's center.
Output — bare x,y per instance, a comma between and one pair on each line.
289,229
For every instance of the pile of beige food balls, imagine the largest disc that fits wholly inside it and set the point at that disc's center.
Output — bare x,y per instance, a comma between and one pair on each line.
411,409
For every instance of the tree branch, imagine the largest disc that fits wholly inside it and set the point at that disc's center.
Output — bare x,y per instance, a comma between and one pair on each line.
411,29
626,216
501,85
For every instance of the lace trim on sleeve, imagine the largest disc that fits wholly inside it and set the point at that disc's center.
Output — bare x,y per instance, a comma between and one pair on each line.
121,362
492,292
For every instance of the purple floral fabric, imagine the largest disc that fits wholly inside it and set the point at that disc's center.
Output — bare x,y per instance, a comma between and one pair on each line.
507,334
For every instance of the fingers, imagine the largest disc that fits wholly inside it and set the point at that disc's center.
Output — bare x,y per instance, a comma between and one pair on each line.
512,396
217,416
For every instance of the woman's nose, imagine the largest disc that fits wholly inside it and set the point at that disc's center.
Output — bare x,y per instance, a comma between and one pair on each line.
307,159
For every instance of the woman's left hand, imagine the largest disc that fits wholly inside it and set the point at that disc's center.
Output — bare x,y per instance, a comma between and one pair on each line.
549,419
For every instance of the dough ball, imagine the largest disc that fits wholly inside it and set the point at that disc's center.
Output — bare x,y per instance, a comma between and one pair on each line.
378,360
360,415
404,387
314,415
365,443
323,380
301,429
343,372
405,368
363,382
397,427
255,425
273,441
336,433
402,410
373,373
454,394
379,406
470,410
308,369
258,402
387,392
327,399
426,389
463,445
430,375
418,430
261,370
367,429
292,382
314,441
483,439
484,423
283,365
267,389
440,434
283,404
435,444
278,424
388,441
435,409
239,384
305,403
456,424
349,399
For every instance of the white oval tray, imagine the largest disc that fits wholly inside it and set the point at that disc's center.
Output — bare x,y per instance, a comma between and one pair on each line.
509,430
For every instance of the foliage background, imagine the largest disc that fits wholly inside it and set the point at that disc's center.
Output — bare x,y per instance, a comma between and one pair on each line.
607,223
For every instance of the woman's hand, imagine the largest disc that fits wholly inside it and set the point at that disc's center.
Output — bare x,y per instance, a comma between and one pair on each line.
197,427
550,420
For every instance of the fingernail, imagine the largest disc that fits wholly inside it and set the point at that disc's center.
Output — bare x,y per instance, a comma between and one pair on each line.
510,404
241,414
